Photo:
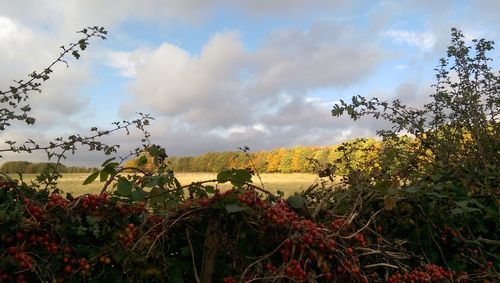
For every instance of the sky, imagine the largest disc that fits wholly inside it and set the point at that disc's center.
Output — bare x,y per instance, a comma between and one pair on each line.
217,75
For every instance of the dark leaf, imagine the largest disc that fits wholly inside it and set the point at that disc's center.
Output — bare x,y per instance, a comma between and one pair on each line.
91,178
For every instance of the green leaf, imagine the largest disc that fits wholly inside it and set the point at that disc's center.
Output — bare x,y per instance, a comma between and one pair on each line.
91,178
30,120
153,150
457,211
413,189
434,194
81,231
223,176
107,161
152,181
143,160
158,195
105,172
240,177
296,201
104,175
124,187
112,165
76,54
92,220
233,208
138,195
210,189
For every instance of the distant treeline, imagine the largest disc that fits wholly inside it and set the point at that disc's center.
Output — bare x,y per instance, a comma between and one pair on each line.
281,160
26,167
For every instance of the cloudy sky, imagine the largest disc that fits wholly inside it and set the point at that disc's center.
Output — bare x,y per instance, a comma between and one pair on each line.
221,74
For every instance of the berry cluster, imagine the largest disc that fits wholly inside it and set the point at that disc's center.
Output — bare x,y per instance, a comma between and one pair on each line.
57,200
295,271
94,201
338,223
24,260
129,235
430,273
449,235
251,198
105,259
361,239
84,266
280,214
72,264
33,209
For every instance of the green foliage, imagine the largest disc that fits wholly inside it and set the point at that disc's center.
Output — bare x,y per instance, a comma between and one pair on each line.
458,131
438,188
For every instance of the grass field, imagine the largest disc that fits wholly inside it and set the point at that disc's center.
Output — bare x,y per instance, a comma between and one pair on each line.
287,183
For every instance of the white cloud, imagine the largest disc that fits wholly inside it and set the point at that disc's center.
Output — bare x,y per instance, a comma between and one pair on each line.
202,89
422,40
121,61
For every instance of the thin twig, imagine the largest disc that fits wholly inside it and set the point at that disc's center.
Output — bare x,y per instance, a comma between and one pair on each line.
322,203
364,227
380,264
260,259
192,257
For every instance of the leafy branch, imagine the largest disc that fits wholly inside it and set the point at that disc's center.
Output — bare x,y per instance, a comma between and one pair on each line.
12,98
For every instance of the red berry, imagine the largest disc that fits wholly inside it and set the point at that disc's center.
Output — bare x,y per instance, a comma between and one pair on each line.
12,250
19,235
328,276
67,249
68,268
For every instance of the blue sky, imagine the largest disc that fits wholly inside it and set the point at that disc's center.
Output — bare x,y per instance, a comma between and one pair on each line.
217,75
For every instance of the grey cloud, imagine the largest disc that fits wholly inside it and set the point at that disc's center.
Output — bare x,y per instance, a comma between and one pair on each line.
60,98
327,54
413,95
301,113
292,8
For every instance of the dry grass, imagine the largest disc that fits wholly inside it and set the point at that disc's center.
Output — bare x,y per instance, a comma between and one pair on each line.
287,183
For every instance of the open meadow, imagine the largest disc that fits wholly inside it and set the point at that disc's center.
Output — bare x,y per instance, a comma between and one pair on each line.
287,183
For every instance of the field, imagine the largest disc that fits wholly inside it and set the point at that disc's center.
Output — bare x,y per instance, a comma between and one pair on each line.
287,183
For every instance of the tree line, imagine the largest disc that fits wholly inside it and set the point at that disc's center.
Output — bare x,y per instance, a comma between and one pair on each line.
26,167
300,159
